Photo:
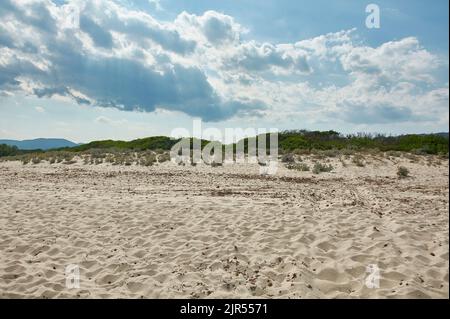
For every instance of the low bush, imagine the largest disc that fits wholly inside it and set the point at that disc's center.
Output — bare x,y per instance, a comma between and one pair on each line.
302,167
402,172
288,158
320,168
358,160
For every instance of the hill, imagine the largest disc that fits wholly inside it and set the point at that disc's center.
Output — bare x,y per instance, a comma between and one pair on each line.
39,143
303,140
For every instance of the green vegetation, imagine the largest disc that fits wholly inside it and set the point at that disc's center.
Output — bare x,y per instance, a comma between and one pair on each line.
163,157
327,143
320,168
331,140
358,160
291,144
402,172
302,167
288,158
6,150
149,143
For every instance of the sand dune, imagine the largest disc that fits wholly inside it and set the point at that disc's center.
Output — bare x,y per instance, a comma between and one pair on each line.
200,232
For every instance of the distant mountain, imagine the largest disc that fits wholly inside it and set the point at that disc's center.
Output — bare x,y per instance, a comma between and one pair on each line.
39,143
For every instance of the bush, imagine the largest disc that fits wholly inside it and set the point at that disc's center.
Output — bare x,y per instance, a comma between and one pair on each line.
347,151
402,172
344,164
6,150
302,167
148,160
319,168
36,160
288,158
358,161
164,157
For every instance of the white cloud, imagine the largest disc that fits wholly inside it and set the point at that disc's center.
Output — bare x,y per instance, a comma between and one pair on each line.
201,65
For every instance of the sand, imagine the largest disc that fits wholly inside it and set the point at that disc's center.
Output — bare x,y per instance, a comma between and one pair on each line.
168,231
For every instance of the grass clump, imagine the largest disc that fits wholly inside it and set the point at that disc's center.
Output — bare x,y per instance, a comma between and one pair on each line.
288,158
321,168
302,167
358,161
165,157
148,160
402,172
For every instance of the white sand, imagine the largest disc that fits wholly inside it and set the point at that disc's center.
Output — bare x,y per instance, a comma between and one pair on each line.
196,232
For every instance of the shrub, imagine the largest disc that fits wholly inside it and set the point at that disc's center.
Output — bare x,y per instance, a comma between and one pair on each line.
7,150
148,160
358,161
70,162
298,167
97,153
109,158
288,158
411,157
402,172
319,168
36,160
164,157
347,151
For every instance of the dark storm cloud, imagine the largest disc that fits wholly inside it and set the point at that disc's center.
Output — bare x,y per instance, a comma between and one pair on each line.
114,81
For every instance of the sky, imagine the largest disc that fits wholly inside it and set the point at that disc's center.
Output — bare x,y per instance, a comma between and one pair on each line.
123,69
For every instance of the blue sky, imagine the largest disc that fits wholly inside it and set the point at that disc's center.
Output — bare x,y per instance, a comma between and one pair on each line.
131,69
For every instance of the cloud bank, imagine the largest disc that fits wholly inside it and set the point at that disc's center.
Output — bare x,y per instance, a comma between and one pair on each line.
203,66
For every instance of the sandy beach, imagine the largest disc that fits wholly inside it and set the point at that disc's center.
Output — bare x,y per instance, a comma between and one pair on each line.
169,231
